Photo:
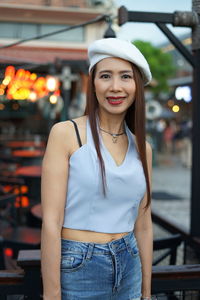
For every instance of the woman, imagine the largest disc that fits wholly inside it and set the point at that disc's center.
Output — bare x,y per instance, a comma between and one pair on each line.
97,229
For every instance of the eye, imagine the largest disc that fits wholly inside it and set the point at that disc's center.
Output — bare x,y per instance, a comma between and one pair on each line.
127,76
105,76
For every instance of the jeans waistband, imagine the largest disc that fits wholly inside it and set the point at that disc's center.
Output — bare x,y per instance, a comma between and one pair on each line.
126,241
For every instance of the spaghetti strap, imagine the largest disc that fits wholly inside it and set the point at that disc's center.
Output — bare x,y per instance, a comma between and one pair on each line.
77,132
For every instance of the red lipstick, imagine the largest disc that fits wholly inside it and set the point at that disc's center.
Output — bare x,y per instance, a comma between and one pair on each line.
115,100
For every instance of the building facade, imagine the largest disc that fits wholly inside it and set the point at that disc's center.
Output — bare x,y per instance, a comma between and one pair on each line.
63,54
39,17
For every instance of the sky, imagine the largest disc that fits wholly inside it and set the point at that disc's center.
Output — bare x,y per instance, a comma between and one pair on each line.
150,32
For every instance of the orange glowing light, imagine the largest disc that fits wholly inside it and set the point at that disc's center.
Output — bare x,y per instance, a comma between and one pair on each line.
6,80
16,191
175,108
53,99
57,93
27,75
20,74
24,189
2,106
33,96
24,201
21,93
23,85
7,188
18,202
9,96
1,92
33,77
51,83
8,252
10,71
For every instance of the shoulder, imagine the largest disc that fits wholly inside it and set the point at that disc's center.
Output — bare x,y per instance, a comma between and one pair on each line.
65,129
80,121
63,136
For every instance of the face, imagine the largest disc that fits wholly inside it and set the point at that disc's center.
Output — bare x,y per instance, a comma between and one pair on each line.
114,85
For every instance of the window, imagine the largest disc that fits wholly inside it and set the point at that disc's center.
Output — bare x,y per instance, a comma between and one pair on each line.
15,30
74,35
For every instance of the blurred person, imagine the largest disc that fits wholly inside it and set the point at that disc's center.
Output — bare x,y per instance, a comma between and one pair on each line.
177,138
168,137
186,148
183,145
96,185
160,127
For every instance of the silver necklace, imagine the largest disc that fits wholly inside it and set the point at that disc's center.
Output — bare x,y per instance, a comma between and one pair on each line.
114,135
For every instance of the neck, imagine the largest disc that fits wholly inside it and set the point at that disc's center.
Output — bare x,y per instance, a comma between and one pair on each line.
111,123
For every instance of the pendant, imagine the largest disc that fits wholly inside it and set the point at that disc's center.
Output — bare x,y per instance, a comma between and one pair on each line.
114,138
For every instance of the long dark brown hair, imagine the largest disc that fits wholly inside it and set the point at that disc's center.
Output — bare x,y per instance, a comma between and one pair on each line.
135,119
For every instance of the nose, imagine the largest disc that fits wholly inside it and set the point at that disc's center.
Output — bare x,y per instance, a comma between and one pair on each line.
115,85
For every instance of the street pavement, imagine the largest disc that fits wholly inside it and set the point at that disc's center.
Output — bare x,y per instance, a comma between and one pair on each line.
171,189
173,181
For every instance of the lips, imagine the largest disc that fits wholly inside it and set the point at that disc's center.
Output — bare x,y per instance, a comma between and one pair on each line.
115,100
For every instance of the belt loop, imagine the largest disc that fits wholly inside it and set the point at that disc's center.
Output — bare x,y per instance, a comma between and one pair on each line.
126,240
89,251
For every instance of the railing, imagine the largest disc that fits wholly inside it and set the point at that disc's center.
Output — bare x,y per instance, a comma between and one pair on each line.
11,283
174,228
170,246
175,278
26,282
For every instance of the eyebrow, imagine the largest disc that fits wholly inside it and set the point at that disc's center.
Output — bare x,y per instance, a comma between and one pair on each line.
109,71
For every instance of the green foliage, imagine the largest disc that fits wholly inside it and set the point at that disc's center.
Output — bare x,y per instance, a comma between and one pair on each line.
160,63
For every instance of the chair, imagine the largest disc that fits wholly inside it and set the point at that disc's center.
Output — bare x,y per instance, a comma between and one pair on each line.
16,186
170,245
24,283
12,235
18,238
7,208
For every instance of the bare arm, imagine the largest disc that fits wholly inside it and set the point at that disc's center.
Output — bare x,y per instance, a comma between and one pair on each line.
144,235
53,193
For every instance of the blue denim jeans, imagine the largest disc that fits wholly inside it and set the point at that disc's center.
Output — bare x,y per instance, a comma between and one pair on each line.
101,271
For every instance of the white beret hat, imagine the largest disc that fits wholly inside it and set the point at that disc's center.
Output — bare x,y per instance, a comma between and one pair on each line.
114,47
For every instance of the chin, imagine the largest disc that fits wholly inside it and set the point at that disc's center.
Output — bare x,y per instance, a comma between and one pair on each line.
114,110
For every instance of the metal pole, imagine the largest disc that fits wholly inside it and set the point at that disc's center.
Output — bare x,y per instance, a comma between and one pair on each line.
176,42
178,18
195,188
66,86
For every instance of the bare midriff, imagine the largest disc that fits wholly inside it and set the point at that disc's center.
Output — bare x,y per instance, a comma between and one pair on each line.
90,236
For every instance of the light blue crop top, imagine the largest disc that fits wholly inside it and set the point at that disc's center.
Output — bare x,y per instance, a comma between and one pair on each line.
86,207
